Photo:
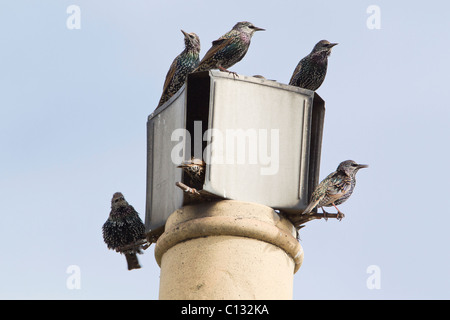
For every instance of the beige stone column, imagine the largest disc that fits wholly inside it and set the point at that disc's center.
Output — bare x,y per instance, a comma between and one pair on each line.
227,250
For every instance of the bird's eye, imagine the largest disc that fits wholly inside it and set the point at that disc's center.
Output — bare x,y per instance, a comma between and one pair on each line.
354,164
251,26
191,36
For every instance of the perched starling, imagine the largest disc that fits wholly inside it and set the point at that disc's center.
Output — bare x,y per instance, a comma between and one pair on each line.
336,188
229,49
311,70
183,64
195,170
124,228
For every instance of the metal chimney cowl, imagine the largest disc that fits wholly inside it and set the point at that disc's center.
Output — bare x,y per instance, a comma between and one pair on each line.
261,141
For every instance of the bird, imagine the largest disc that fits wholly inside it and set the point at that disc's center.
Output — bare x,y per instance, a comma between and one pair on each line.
181,66
258,76
312,69
124,228
336,188
229,49
195,170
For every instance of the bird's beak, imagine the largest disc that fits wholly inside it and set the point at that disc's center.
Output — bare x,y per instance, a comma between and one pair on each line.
331,45
259,29
186,35
360,166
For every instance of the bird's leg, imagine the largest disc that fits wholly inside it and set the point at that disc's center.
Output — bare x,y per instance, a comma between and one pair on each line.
340,215
135,246
325,214
226,70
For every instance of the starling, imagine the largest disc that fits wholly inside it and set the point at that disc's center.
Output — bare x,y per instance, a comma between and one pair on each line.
311,70
183,64
229,49
124,228
195,170
336,188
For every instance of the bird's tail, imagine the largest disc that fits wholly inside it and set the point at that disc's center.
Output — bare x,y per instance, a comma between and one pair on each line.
310,207
132,261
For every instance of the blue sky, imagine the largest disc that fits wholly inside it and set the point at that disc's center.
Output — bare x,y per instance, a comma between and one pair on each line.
73,112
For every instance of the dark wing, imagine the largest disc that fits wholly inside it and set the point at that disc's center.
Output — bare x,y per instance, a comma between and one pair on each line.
170,74
340,186
318,194
217,45
325,189
294,77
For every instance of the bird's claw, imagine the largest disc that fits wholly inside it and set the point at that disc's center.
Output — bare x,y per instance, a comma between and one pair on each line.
340,216
146,245
230,72
192,190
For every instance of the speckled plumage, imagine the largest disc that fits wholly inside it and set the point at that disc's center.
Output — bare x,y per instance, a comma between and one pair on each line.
229,49
195,170
336,188
181,66
312,69
123,227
